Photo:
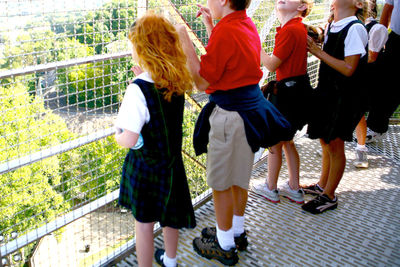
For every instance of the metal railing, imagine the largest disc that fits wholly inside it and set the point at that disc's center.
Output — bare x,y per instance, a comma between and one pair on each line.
64,67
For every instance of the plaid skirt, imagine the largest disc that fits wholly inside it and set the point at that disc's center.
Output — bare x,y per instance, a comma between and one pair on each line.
156,191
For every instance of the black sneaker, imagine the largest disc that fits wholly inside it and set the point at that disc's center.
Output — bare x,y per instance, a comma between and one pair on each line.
320,204
240,241
210,249
159,255
313,189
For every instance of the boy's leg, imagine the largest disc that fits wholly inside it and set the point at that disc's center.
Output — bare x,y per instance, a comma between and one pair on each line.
291,190
223,205
337,165
274,165
240,196
269,190
144,243
293,162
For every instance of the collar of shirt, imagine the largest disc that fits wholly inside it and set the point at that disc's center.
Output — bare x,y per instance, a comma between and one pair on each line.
237,15
145,76
370,19
292,21
339,25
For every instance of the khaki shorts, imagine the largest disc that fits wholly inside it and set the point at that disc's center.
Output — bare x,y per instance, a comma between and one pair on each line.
230,159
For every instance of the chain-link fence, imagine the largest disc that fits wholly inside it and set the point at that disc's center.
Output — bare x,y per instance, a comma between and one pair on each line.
64,67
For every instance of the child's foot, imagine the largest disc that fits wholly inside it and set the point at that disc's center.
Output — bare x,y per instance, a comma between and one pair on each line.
372,136
210,249
361,160
293,195
240,241
312,189
159,257
320,204
270,195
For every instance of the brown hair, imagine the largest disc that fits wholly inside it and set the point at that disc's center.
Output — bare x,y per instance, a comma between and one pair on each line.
159,51
239,5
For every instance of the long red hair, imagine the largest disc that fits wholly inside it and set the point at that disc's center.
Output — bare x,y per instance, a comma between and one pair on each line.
160,52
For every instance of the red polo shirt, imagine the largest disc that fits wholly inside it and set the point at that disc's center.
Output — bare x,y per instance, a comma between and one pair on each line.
233,54
291,48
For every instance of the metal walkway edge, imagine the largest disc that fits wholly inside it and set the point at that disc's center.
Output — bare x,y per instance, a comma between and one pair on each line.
363,231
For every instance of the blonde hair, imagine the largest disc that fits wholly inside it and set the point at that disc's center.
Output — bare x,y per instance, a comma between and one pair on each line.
309,4
160,52
361,13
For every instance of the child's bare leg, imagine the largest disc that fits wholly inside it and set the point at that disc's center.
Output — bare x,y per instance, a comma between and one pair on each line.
171,241
274,165
223,205
338,163
293,162
326,164
361,131
144,243
239,200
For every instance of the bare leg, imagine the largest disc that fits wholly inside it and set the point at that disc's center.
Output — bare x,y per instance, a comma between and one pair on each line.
239,200
326,164
338,163
274,165
170,241
144,243
223,205
293,162
361,131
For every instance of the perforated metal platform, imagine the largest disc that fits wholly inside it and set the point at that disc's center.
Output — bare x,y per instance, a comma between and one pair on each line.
363,231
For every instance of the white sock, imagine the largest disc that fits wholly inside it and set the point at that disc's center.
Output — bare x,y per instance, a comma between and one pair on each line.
169,262
362,148
225,238
238,225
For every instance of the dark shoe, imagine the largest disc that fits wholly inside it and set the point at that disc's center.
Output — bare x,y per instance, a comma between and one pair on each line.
210,249
159,255
320,204
240,241
313,189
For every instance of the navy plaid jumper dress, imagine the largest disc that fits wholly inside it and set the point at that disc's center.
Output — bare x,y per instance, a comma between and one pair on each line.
154,183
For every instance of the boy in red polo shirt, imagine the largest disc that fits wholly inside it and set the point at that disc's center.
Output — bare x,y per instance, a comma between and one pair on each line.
292,91
236,122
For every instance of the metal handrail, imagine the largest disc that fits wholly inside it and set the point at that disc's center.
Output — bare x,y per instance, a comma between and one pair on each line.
61,64
55,150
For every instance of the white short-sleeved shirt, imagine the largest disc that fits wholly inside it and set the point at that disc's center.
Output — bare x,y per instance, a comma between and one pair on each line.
395,18
378,35
356,39
133,113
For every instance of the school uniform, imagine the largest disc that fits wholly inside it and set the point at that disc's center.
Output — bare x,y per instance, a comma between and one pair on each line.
386,88
238,120
154,183
293,89
336,107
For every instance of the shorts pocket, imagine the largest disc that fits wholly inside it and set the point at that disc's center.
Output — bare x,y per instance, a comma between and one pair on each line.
217,122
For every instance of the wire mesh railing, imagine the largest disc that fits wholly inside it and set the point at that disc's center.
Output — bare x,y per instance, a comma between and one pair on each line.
64,67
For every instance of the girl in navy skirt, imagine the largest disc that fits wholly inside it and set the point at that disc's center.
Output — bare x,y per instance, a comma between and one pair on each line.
154,184
337,110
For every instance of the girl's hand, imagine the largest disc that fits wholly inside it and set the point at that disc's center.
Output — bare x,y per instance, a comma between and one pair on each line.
207,18
312,47
137,70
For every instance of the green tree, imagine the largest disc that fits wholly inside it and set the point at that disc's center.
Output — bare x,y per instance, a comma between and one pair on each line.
28,195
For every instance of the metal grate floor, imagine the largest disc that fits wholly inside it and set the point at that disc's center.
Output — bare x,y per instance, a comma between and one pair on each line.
363,231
